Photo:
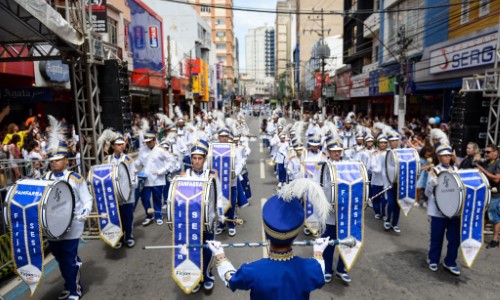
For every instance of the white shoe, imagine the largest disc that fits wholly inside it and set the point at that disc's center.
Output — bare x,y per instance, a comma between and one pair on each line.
74,298
232,231
147,221
64,295
159,222
196,289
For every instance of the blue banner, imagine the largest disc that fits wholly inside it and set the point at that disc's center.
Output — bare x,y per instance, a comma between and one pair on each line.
221,159
187,228
351,183
472,220
26,233
106,200
408,160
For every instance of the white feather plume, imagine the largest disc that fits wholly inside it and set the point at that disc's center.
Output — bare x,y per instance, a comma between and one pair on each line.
144,125
332,128
439,134
303,189
282,122
106,136
351,115
55,135
178,112
299,127
166,120
233,126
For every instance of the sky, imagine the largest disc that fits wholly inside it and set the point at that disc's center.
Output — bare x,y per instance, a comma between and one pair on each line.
248,20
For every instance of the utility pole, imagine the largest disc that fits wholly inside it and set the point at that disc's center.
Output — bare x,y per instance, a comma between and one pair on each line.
191,85
400,100
169,78
323,52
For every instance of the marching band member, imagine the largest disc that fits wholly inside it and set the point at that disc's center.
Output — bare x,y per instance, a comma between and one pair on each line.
199,153
281,153
224,135
441,225
157,164
294,162
379,178
282,275
127,208
142,157
65,249
272,126
335,155
393,209
176,167
348,134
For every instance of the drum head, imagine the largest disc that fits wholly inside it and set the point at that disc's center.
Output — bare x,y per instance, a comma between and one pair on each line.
58,208
391,166
327,182
210,206
449,194
123,182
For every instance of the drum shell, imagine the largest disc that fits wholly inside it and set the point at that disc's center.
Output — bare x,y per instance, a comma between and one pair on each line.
327,181
121,183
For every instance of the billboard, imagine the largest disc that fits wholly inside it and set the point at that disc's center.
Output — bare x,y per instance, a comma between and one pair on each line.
99,15
146,43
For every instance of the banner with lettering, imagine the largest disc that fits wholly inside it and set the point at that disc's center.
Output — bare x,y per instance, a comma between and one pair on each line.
221,158
351,187
407,178
187,229
310,169
477,194
106,201
26,233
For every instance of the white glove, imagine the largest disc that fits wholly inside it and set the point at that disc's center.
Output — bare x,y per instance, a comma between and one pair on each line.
222,219
320,244
215,247
434,181
82,217
240,177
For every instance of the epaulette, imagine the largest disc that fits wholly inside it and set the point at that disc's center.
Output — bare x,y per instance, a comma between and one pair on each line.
128,160
213,173
374,153
76,177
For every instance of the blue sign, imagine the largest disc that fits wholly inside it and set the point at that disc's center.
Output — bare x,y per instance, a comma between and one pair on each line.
55,71
26,95
148,54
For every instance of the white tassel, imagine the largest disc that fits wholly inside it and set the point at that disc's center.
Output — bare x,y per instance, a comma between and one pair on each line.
55,135
303,188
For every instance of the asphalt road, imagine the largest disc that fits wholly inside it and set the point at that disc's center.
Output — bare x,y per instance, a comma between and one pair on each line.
391,266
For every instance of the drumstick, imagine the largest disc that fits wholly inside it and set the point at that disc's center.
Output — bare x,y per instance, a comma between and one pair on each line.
236,221
431,170
348,241
103,215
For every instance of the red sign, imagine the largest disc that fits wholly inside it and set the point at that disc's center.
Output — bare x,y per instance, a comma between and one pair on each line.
193,66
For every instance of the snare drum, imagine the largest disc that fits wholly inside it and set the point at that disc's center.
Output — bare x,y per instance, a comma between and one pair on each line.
203,192
118,174
449,194
56,204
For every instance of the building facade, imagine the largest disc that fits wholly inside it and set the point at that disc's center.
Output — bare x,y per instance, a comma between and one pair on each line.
260,52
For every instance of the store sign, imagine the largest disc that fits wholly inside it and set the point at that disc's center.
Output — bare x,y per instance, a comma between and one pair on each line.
470,53
153,37
99,15
54,71
360,85
26,95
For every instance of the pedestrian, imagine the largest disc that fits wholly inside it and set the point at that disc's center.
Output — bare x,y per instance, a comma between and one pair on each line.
282,275
472,154
491,168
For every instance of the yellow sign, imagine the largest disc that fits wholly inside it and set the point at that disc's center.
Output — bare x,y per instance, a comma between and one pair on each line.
204,74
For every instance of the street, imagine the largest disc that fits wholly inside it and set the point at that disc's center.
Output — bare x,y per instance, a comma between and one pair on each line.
391,266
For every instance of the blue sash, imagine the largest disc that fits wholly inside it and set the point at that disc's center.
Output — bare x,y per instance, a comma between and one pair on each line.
310,169
221,159
351,186
187,228
24,210
477,194
106,201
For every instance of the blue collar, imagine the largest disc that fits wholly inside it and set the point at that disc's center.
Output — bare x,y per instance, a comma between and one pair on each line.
58,174
197,173
117,157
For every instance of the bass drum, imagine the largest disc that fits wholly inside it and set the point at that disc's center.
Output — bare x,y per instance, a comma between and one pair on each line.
449,194
327,180
119,176
56,206
209,194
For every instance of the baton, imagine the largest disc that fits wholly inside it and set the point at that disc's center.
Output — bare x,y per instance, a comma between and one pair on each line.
235,221
348,241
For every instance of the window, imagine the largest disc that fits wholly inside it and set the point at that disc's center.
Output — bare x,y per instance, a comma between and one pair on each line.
464,12
220,21
484,7
220,34
112,31
204,8
220,46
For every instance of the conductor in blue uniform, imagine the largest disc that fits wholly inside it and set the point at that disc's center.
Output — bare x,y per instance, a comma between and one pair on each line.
283,275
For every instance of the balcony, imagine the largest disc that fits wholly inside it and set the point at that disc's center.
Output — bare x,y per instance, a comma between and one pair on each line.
372,25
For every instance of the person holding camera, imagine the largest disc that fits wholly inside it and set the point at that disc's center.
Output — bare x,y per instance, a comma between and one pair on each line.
491,168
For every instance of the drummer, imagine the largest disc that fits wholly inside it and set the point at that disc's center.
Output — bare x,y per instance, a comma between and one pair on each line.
198,158
283,275
393,209
441,225
65,248
335,148
126,207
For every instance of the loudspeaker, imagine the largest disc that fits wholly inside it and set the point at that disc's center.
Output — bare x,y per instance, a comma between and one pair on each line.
116,108
461,136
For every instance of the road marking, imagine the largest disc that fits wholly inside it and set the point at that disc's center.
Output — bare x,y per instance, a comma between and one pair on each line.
264,249
262,170
261,148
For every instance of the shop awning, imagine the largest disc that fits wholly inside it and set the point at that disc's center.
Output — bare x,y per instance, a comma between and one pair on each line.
439,85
